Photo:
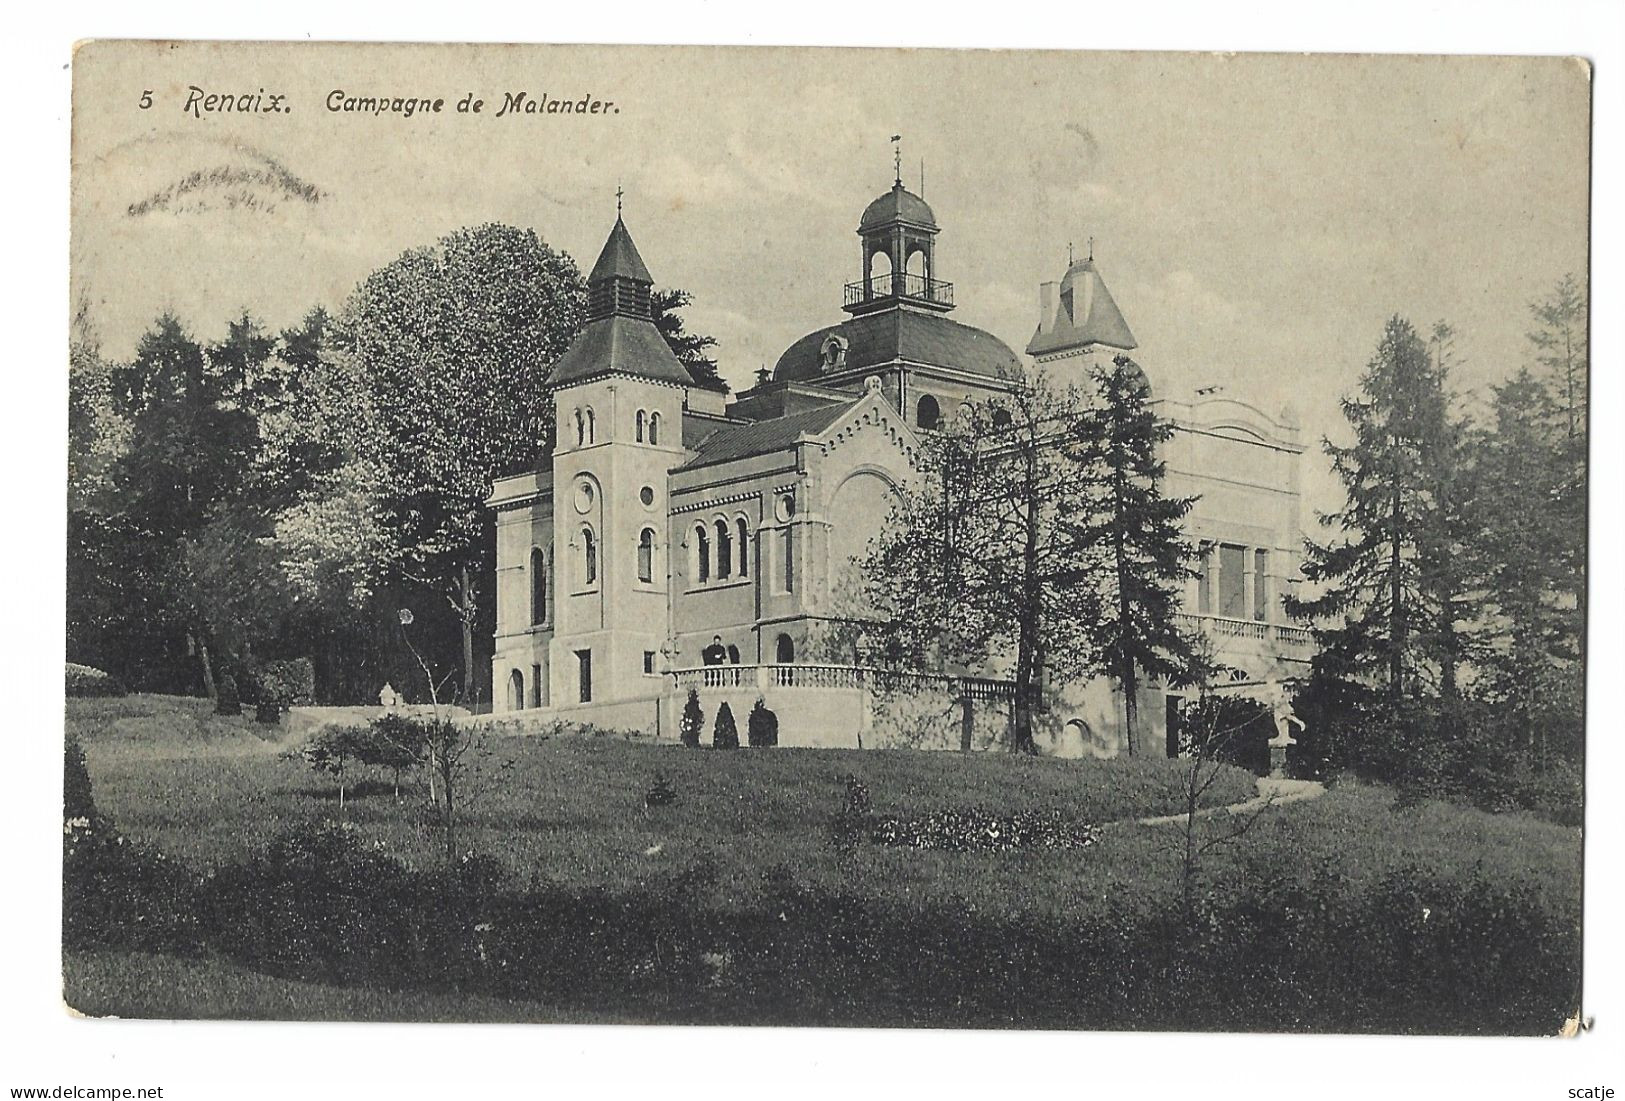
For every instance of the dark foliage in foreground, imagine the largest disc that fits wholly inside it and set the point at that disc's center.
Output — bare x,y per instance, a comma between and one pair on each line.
1417,951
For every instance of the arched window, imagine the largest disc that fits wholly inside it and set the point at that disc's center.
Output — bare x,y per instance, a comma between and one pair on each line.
654,428
744,547
641,419
724,551
581,429
516,691
538,586
733,655
1002,419
928,414
592,428
589,557
700,554
784,650
646,555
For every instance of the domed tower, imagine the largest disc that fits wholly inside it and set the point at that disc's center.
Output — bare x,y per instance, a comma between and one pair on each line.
899,232
928,364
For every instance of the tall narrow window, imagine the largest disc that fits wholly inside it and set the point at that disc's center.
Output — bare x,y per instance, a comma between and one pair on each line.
641,419
724,551
787,559
1261,585
744,548
581,429
700,557
591,427
646,556
538,586
536,686
584,675
654,427
589,556
516,691
1232,583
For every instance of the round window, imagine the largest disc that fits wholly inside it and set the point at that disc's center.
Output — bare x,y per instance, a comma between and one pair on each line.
647,496
583,497
786,507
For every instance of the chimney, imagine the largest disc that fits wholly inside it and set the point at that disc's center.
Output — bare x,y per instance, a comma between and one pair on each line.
1046,307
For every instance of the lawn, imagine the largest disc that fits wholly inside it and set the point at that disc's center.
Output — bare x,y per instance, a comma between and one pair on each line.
917,936
206,790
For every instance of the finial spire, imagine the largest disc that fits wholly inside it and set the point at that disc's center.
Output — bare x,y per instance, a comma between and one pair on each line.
618,194
1091,249
897,159
1070,257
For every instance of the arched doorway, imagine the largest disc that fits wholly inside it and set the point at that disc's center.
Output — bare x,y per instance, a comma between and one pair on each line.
784,650
516,691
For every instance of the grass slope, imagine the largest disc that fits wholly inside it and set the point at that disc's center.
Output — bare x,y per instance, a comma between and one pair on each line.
205,790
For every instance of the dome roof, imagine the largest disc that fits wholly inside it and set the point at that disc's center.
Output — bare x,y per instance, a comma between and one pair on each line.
898,204
914,336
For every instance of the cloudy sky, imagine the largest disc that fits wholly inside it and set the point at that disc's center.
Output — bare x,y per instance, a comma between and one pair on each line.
1257,217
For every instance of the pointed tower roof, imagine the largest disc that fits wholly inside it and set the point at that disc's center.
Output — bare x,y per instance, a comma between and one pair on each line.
619,258
1085,314
619,337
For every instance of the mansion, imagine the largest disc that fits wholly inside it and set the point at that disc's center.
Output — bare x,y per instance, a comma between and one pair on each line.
674,539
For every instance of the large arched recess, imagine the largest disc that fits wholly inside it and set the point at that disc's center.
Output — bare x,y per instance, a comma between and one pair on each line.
859,506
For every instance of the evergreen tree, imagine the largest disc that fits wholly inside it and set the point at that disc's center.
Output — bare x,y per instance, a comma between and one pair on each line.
1135,531
1563,357
1529,641
690,348
1383,599
693,720
725,735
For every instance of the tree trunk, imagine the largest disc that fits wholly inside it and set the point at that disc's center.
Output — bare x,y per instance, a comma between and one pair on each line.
1032,611
467,612
208,667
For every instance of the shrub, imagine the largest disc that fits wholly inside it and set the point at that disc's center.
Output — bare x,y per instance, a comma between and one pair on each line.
285,684
762,727
725,735
76,795
226,701
334,749
660,793
693,720
82,680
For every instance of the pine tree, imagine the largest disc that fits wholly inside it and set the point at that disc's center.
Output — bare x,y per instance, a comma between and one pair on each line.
1528,646
1136,531
1564,359
1383,600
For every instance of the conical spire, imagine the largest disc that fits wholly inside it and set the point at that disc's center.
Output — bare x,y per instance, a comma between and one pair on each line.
619,283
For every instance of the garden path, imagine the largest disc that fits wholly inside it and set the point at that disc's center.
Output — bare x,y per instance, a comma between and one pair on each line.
1273,791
